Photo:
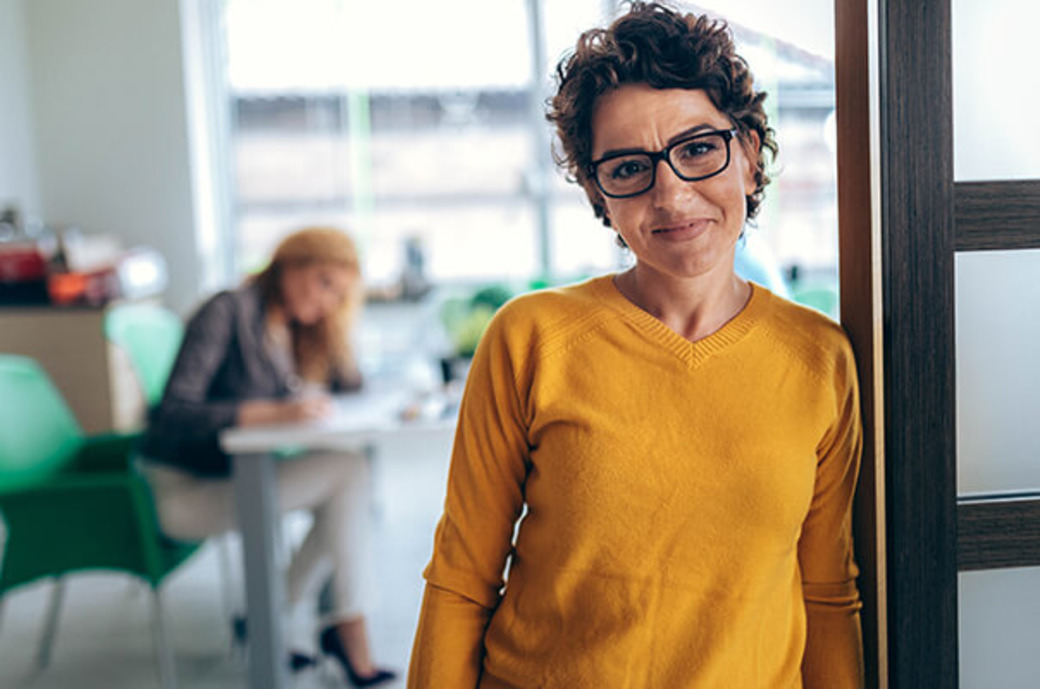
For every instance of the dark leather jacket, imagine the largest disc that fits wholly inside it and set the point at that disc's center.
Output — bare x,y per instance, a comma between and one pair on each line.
224,360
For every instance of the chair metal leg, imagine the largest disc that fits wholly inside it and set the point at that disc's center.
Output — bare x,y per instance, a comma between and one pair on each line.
50,626
163,652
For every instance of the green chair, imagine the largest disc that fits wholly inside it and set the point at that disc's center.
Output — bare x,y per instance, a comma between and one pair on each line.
151,336
823,299
73,503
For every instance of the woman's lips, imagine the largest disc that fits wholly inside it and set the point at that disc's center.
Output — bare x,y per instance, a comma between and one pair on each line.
682,231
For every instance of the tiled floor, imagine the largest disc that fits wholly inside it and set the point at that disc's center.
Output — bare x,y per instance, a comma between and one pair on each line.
104,639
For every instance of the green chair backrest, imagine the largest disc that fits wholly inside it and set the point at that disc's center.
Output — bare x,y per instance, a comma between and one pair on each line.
151,335
38,433
822,299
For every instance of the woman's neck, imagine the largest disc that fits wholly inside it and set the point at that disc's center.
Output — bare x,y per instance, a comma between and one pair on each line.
692,307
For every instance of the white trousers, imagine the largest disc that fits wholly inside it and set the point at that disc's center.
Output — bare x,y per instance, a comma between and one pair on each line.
334,487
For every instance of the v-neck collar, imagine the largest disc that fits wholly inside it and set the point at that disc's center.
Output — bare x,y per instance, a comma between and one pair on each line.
693,354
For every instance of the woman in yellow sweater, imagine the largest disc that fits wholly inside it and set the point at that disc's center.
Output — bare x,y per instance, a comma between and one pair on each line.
682,445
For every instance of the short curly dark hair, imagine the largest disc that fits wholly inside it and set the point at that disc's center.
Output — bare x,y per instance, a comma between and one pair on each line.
655,45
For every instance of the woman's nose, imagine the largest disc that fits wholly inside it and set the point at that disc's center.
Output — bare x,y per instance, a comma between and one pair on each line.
668,186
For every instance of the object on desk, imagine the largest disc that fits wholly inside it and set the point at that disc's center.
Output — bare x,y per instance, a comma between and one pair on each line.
454,368
63,267
141,273
425,407
66,288
414,283
23,274
10,222
135,274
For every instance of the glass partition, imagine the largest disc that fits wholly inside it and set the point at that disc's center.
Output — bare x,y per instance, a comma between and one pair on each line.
999,628
996,93
998,371
996,89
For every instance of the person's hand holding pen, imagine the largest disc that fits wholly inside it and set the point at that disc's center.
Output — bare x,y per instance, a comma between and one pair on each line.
307,406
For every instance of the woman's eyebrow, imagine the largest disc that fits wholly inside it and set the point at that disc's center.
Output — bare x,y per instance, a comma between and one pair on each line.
690,131
693,130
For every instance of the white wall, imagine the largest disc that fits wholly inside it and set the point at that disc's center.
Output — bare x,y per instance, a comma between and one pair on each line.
18,183
111,135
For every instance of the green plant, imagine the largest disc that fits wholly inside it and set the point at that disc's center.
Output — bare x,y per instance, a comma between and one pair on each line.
466,318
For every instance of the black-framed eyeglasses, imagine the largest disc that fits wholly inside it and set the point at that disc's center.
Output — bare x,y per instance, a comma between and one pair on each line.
694,158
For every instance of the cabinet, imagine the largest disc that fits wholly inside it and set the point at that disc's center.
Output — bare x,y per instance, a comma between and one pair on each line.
95,376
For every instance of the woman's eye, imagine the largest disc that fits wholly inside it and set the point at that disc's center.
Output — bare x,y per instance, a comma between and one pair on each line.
696,149
628,168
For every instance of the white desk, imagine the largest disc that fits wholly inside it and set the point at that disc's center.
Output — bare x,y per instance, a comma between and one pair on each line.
360,422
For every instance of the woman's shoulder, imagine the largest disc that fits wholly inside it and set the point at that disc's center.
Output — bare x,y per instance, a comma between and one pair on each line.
223,313
554,308
556,314
805,332
228,302
558,302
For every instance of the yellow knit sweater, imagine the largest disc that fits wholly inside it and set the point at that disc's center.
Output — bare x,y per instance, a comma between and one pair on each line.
687,504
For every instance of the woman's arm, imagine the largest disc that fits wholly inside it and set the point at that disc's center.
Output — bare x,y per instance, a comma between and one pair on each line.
186,413
834,646
474,537
294,410
345,377
186,410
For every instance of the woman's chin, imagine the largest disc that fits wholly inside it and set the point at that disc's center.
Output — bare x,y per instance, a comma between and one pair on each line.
306,319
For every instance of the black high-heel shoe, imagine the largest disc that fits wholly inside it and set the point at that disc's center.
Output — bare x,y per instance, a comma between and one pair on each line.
298,661
332,646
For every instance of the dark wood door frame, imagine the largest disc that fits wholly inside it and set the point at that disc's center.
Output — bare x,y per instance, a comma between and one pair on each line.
1014,207
917,276
921,218
859,263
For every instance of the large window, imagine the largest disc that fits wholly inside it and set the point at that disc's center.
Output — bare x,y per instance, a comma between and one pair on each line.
419,126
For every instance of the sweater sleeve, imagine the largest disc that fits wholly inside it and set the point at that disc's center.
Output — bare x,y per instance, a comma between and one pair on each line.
474,537
833,654
345,377
186,414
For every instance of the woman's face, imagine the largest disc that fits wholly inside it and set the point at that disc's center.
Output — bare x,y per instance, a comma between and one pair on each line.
676,229
313,291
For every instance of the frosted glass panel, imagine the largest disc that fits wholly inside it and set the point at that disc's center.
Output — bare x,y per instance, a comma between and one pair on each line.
1000,628
998,371
996,89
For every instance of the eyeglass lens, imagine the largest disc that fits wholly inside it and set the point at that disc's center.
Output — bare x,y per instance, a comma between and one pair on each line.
695,158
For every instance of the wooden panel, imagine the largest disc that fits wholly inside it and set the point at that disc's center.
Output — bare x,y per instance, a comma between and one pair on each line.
859,272
994,534
70,345
997,215
95,379
918,286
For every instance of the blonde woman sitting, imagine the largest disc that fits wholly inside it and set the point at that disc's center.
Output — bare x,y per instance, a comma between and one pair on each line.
270,352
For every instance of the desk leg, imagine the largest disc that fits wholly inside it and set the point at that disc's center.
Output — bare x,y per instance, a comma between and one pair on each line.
257,500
